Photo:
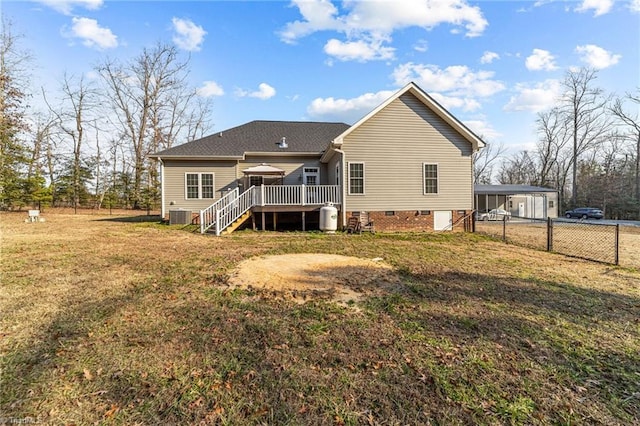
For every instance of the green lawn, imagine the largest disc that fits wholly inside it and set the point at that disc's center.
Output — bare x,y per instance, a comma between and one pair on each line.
122,322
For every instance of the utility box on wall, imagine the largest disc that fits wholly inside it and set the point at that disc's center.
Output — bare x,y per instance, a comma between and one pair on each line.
179,217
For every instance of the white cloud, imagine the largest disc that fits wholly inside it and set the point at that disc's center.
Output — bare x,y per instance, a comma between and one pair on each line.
540,60
483,129
599,7
264,92
596,56
423,46
67,6
534,98
210,89
455,80
92,34
365,23
318,15
634,6
188,36
488,57
360,50
347,108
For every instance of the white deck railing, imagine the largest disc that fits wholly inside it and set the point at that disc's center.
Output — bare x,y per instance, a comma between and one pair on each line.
208,215
232,211
226,210
297,195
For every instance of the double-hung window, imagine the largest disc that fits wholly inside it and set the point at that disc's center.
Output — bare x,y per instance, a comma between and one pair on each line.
356,178
430,178
199,186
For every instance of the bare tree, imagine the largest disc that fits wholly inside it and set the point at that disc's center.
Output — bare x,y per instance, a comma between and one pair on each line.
583,107
484,160
632,122
152,104
554,137
73,116
519,169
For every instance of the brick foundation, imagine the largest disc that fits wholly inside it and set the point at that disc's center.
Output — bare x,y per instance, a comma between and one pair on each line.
411,220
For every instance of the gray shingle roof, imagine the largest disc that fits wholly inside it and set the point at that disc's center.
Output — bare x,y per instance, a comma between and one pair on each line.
260,136
510,189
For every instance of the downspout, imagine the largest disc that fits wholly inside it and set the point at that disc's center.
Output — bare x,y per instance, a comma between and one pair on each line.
162,209
344,187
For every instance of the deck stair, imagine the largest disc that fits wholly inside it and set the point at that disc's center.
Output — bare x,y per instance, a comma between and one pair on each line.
236,224
233,209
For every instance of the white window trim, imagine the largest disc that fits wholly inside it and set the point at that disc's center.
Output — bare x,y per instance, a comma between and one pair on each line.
305,173
213,178
364,175
424,179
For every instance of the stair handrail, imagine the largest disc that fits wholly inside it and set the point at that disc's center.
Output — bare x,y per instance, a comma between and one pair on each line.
228,214
208,215
450,226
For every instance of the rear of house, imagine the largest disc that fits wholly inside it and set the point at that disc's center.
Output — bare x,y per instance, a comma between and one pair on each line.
407,165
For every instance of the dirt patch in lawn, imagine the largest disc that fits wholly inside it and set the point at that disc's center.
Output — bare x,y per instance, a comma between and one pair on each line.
308,276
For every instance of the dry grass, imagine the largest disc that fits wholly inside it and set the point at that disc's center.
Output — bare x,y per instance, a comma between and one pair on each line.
119,321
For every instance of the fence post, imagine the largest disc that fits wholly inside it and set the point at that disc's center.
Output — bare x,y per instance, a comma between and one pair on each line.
504,228
617,262
549,234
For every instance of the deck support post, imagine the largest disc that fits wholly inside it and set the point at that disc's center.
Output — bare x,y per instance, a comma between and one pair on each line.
264,222
275,216
304,228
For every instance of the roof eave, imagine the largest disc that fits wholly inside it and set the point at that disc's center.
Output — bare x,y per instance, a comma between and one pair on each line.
196,157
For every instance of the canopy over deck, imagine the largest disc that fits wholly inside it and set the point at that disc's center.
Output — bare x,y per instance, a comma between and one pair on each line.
263,170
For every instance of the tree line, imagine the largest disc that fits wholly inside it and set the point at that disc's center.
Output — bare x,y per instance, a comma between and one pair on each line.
587,148
88,145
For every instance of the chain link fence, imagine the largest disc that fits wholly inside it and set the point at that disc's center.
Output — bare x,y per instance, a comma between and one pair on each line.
599,242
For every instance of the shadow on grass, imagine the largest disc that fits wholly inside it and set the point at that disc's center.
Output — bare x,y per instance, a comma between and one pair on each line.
132,219
449,348
29,372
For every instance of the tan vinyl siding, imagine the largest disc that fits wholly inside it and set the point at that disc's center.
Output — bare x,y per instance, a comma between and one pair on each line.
394,145
174,182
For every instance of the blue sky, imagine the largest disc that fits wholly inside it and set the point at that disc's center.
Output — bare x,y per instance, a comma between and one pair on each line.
493,64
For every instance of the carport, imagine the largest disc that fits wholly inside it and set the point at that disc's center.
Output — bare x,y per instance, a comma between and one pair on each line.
526,201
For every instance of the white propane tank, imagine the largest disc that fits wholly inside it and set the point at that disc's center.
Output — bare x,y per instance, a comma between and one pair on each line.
328,218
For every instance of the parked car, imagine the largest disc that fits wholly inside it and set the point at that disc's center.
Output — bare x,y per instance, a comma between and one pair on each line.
584,213
495,214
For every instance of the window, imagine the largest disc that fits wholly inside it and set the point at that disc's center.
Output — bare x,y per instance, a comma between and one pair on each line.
311,175
550,204
192,185
390,213
430,178
255,180
356,178
199,186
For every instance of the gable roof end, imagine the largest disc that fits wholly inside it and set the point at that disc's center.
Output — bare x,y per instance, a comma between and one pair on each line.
430,103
